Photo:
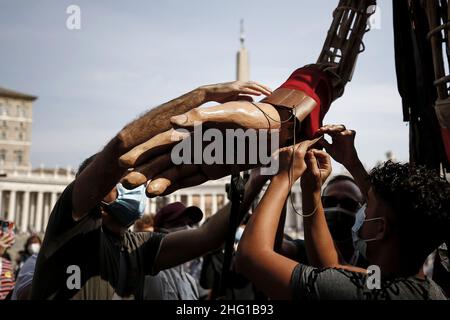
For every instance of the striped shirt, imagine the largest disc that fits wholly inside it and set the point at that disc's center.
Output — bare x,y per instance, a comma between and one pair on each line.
6,278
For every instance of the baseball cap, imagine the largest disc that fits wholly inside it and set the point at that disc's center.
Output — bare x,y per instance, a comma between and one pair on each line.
176,215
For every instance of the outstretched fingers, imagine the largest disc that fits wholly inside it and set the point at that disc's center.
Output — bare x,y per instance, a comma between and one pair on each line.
335,130
255,88
174,175
192,181
306,144
331,129
142,174
156,145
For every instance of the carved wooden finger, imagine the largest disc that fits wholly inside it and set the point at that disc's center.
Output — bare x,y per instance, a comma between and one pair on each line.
185,183
143,173
175,173
156,145
241,114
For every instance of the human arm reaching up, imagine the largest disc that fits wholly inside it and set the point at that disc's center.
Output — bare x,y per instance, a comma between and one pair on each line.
256,258
320,247
342,149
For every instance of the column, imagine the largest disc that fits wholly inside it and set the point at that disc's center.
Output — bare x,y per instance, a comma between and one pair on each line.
25,212
189,200
38,222
12,206
214,203
46,213
202,202
32,216
53,199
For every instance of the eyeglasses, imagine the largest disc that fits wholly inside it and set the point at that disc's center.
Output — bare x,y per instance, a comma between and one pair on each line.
345,203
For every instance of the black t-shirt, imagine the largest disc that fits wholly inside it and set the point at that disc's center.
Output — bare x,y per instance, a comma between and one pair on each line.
85,250
310,283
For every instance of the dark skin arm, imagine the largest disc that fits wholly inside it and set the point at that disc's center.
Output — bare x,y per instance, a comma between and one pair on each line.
280,231
102,175
342,150
320,246
182,246
256,258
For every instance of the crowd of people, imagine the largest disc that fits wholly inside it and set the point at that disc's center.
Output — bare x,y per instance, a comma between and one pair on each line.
393,218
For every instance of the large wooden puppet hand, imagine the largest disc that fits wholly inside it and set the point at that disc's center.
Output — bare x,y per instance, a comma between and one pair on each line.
152,160
292,113
303,99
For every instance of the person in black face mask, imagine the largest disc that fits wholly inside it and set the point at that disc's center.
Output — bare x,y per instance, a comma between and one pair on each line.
341,200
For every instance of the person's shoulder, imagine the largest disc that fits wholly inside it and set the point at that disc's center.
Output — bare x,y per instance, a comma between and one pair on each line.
435,292
327,283
331,272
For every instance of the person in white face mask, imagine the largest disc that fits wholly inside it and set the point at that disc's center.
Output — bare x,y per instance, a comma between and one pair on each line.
32,246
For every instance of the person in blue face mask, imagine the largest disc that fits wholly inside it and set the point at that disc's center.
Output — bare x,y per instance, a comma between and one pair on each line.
89,252
129,205
407,217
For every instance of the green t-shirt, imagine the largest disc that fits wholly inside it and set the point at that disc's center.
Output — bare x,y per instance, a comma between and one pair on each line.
96,254
310,283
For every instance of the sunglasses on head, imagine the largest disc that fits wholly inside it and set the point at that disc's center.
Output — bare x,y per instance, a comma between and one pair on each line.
345,203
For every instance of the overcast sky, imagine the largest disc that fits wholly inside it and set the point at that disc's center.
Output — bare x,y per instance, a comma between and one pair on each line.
133,55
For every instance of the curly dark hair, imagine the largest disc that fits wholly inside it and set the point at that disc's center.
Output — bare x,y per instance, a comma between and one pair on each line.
420,199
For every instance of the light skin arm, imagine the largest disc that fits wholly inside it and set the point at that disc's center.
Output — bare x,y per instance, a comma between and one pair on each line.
101,176
182,246
6,241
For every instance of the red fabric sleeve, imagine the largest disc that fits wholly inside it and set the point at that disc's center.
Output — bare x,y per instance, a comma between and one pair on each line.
316,84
